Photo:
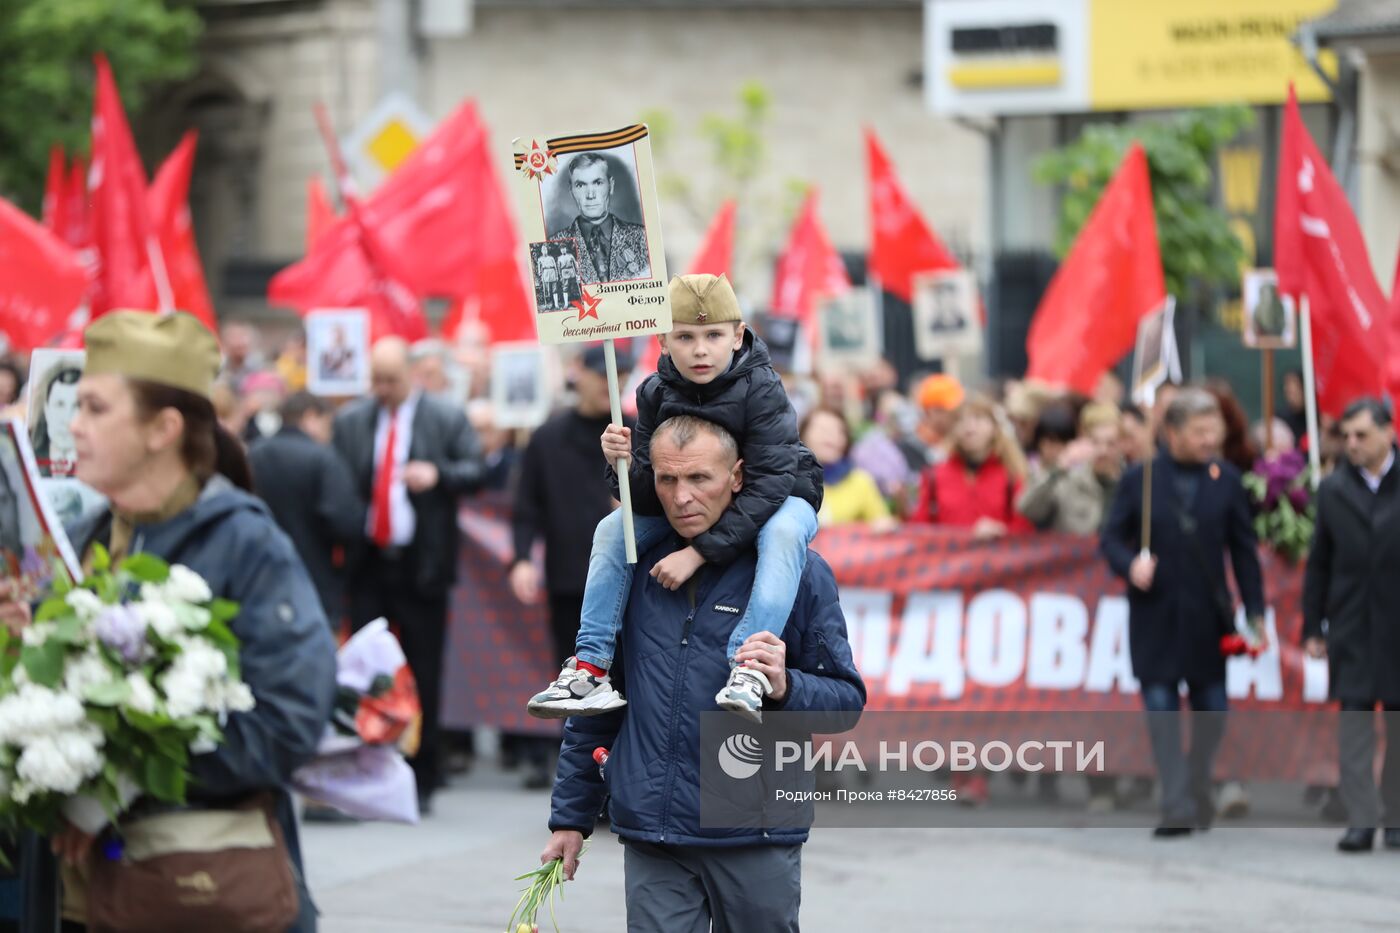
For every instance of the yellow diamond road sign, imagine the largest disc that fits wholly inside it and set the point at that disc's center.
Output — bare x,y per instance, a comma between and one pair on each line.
391,145
385,137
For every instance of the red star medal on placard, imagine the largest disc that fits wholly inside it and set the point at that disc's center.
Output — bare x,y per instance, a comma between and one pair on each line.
587,306
538,162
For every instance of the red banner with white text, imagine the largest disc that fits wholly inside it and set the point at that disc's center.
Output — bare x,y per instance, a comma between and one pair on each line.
936,621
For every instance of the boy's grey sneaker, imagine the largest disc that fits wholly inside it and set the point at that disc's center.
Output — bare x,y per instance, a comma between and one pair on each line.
575,693
744,693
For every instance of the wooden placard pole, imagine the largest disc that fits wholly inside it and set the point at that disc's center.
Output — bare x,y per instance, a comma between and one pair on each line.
1150,399
624,488
1310,393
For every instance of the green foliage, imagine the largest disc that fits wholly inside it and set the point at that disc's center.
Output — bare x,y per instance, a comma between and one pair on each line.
46,73
738,149
44,663
1198,248
164,779
146,568
1280,526
545,888
736,145
112,693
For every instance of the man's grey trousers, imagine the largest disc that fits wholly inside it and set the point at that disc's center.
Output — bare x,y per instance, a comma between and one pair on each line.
702,889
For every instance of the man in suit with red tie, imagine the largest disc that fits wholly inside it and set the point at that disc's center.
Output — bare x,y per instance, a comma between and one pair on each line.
412,457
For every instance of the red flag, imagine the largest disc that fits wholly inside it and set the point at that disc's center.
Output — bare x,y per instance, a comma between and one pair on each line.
351,266
442,219
1110,280
1319,252
901,243
65,200
76,212
43,283
320,216
809,270
1393,364
717,250
445,212
121,230
168,206
347,269
54,190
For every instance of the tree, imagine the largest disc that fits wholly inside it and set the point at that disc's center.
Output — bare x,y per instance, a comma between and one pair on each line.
1198,248
46,73
739,150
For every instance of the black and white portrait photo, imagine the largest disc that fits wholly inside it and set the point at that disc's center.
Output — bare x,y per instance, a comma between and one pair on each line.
594,200
591,234
30,534
337,351
948,315
1155,359
849,329
946,319
520,384
554,269
1270,318
53,401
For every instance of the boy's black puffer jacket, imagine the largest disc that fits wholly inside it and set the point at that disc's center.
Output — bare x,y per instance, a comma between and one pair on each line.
748,401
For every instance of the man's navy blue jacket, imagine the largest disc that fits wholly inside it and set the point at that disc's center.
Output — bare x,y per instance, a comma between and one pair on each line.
671,662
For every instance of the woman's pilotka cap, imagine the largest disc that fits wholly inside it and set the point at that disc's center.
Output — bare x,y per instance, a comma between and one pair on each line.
174,350
703,299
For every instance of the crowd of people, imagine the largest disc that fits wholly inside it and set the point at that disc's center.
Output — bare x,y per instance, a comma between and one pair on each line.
999,458
1005,457
731,479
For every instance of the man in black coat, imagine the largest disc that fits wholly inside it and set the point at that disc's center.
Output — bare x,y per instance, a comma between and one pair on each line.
561,495
1352,584
1179,603
412,456
311,494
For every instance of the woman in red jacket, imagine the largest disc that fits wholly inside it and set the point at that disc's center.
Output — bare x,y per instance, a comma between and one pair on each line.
977,486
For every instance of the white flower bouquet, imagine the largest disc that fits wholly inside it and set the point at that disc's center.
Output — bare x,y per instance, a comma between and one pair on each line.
105,697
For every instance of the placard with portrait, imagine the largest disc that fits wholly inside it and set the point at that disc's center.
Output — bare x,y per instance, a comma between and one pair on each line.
592,230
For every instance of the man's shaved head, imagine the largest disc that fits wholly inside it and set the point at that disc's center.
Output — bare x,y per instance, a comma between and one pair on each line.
388,363
683,429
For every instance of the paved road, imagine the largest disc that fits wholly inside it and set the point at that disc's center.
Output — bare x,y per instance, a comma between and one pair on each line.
454,872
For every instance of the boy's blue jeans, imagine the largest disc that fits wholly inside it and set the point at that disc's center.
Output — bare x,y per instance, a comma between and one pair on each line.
782,556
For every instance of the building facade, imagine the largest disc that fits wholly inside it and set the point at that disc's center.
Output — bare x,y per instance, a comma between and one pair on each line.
829,68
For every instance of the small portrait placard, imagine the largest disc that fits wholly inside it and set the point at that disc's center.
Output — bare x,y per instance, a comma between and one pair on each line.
337,351
519,384
31,537
947,319
1270,317
1155,359
849,328
53,401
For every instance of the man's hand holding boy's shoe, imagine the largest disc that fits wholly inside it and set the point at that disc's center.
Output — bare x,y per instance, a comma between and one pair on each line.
617,444
766,653
673,571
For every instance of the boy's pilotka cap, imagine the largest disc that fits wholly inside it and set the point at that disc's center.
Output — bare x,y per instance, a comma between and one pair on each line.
703,299
173,350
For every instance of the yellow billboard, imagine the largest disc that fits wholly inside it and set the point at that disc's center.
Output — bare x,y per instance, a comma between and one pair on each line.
1181,53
